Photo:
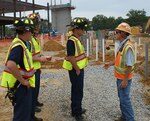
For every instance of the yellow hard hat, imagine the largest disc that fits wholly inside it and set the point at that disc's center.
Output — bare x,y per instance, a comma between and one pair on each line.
35,17
24,24
79,22
124,27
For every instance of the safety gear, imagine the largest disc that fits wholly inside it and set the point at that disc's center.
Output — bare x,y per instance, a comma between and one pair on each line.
11,94
79,23
24,24
120,62
80,56
124,27
27,73
35,49
35,17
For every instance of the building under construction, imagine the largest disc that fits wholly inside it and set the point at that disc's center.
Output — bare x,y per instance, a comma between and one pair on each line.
61,14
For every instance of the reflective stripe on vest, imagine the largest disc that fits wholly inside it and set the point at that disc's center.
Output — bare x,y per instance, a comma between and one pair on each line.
36,54
78,58
79,55
25,74
28,73
120,62
35,48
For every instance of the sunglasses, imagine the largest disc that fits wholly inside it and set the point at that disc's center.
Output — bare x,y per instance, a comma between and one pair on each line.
117,32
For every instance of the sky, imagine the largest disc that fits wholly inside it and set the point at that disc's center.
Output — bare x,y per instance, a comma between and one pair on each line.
91,8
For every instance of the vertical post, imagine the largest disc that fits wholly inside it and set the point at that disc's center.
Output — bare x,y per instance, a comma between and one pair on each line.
62,39
116,47
33,6
20,14
96,49
14,1
51,2
42,43
1,32
3,12
54,2
135,46
87,44
70,2
139,41
48,18
91,49
4,31
103,49
146,61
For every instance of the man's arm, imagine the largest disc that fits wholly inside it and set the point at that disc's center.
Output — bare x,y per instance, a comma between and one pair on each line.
16,73
41,59
16,57
71,55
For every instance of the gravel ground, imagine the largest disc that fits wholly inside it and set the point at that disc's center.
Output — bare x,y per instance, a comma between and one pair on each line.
100,96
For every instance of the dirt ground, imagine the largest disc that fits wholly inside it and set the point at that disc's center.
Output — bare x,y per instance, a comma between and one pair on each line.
58,55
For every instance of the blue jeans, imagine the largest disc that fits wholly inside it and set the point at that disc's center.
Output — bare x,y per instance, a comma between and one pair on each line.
125,103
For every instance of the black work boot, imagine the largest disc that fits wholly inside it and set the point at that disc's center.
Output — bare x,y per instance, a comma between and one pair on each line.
39,104
79,118
83,111
37,109
37,119
120,119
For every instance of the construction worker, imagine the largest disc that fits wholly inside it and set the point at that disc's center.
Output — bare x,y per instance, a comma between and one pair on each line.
18,74
75,62
124,67
37,59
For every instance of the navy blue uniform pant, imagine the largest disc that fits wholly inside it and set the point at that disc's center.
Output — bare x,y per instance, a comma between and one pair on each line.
23,104
77,83
35,91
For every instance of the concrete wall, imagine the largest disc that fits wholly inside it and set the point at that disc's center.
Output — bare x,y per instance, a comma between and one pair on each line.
61,18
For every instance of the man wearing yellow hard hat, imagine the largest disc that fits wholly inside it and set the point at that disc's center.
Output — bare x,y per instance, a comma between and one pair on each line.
123,70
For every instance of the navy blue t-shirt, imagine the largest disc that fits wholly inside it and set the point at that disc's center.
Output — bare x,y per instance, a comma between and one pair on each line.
70,48
16,55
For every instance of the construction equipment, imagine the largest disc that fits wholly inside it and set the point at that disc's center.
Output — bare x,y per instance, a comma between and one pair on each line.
147,27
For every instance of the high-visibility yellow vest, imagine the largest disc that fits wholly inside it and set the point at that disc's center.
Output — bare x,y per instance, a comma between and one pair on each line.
80,56
120,62
35,49
28,73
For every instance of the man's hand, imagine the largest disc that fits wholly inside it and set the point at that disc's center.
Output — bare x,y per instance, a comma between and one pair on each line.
43,59
25,82
106,65
48,58
124,83
78,71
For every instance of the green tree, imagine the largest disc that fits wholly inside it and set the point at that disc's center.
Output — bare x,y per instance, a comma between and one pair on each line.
110,23
136,17
99,22
119,20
